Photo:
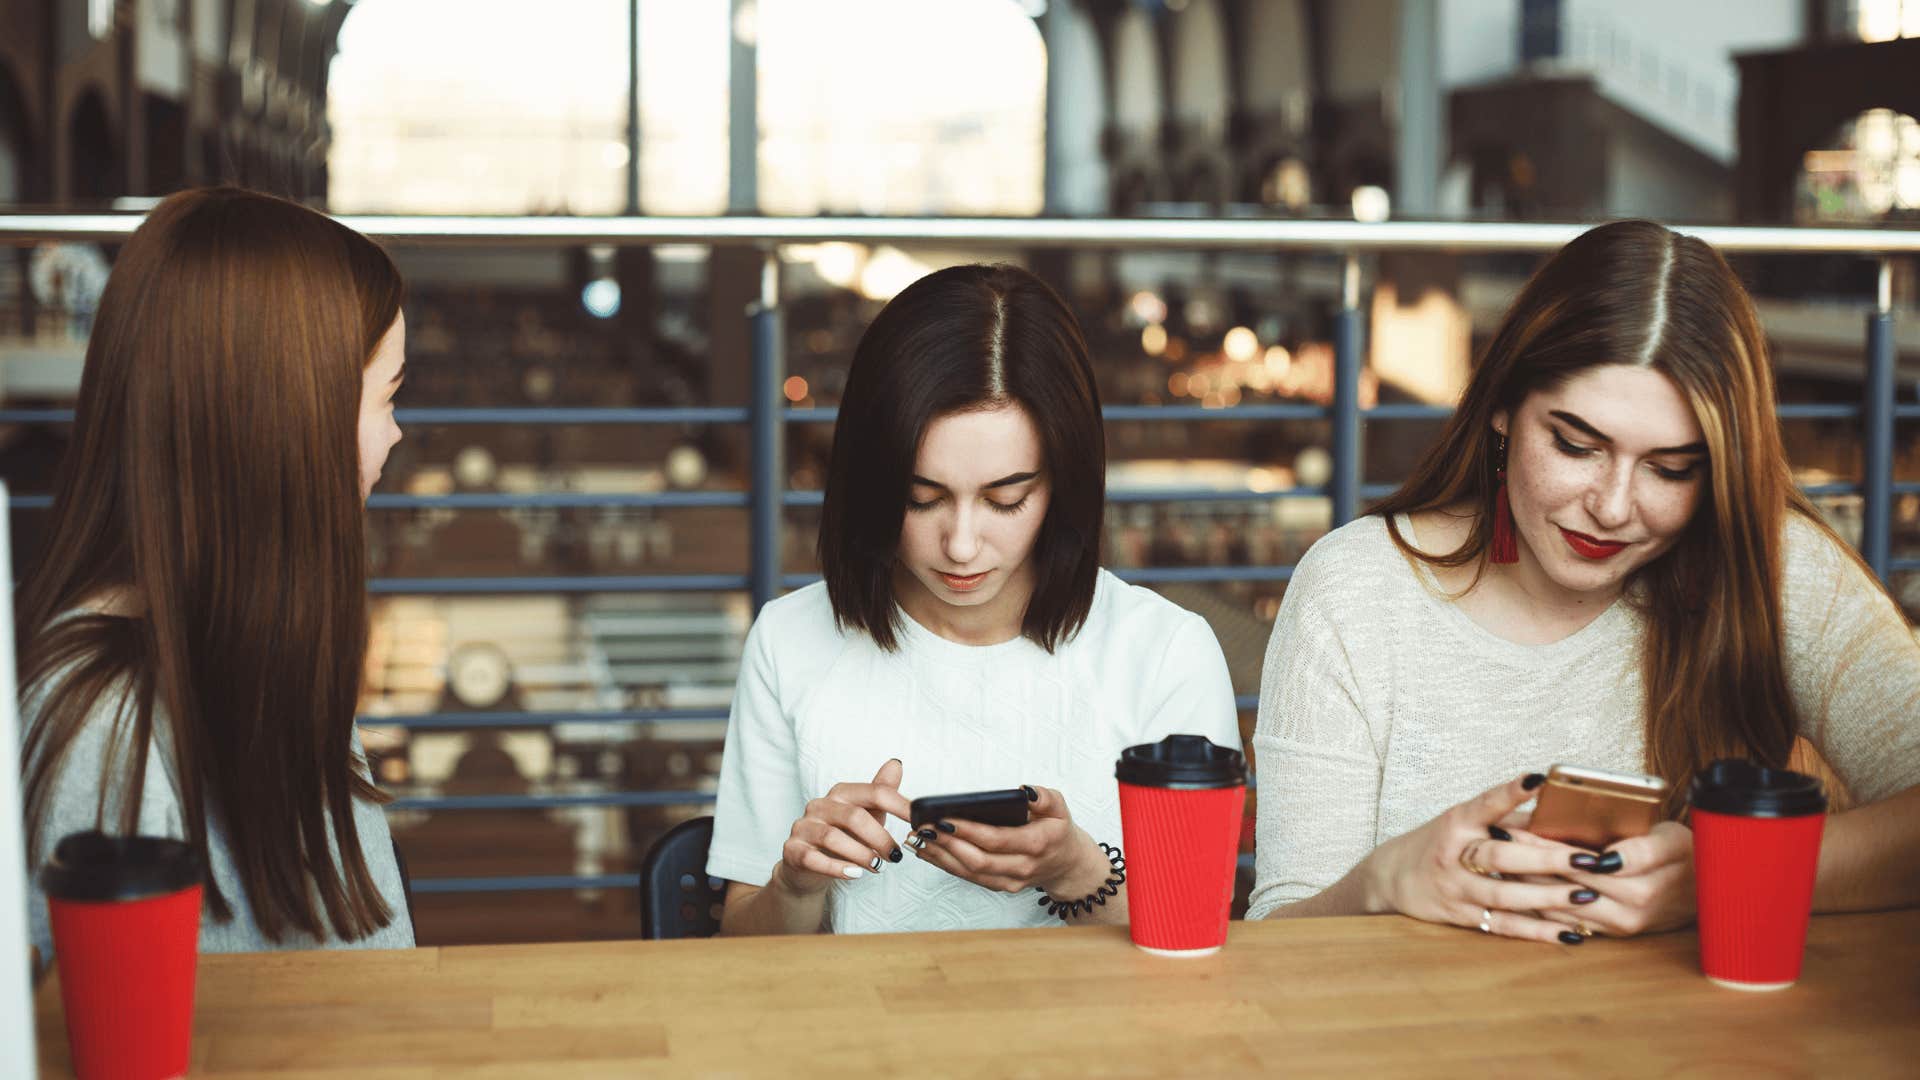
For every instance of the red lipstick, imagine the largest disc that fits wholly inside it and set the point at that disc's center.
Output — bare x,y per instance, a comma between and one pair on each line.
1589,548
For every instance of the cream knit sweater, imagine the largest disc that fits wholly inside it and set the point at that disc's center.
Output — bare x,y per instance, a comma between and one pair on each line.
1382,704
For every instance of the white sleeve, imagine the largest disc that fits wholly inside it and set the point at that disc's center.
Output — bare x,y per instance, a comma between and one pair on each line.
1317,805
90,791
1192,693
1852,666
760,796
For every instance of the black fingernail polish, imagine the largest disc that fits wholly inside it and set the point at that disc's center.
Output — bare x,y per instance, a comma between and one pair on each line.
1583,896
925,834
1584,861
944,826
1032,795
1608,863
1532,780
1498,833
1568,937
894,855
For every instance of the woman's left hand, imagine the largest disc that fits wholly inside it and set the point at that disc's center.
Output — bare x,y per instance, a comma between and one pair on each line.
1049,852
1642,885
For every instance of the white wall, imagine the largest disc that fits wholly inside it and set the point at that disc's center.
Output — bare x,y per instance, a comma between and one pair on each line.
1136,73
1363,48
1479,41
1201,70
1273,55
1076,112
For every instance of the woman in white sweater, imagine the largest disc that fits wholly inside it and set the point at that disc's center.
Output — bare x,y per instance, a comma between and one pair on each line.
1604,563
965,639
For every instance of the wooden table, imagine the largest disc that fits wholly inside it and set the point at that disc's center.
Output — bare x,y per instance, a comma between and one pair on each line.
1367,995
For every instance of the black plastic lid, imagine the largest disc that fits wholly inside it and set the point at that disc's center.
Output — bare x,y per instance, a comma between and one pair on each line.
1740,788
1181,761
95,866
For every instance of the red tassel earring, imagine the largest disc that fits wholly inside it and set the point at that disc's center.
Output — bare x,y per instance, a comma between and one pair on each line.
1506,546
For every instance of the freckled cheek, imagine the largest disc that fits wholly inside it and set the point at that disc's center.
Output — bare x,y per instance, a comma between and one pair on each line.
1545,485
1667,513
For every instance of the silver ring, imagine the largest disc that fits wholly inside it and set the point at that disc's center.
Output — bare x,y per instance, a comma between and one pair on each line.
1486,920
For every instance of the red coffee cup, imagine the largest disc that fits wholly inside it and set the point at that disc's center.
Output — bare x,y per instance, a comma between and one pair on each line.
1181,800
126,927
1756,847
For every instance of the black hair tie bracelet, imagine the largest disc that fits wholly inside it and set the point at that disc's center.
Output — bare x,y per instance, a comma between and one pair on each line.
1064,909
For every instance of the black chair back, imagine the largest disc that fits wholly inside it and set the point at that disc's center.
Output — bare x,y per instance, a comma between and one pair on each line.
677,898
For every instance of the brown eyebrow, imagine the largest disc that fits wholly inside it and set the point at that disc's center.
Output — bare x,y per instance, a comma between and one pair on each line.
1575,422
1005,481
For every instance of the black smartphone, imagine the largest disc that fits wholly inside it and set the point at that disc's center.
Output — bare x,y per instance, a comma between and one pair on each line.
1007,808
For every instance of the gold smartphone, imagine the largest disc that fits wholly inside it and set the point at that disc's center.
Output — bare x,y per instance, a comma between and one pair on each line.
1595,808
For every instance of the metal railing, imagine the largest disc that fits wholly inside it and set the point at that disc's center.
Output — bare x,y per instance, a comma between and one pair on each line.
765,414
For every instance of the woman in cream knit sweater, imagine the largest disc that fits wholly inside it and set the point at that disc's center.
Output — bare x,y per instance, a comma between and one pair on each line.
1604,563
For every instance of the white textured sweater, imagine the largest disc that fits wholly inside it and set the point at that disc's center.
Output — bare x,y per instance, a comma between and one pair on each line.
1382,704
817,705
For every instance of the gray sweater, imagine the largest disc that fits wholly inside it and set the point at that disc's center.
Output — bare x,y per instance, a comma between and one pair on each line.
76,805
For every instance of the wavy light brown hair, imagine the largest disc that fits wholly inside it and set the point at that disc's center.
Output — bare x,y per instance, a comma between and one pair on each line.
1634,292
214,480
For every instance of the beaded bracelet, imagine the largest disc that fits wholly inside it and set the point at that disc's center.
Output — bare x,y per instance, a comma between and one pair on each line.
1111,887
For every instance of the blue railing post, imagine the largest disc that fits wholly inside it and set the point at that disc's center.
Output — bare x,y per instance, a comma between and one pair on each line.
767,438
1876,481
1347,351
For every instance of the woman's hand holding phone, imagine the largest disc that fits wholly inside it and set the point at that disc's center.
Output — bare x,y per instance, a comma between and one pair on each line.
843,834
1444,872
1640,885
1049,852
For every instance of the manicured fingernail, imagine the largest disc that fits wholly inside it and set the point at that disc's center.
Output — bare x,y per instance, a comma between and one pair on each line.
1608,863
944,826
1584,861
894,855
1568,937
1032,795
1583,896
875,864
854,872
925,835
916,841
1532,780
1498,833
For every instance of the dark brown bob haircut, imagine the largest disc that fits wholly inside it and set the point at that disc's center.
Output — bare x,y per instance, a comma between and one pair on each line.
960,339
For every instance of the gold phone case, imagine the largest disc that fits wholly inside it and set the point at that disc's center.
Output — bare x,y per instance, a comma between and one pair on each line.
1594,808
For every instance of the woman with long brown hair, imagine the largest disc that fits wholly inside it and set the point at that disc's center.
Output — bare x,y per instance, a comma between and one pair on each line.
1605,563
191,644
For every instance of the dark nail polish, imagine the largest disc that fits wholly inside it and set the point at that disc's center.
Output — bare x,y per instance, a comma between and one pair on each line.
1568,937
925,834
1532,780
1608,863
894,855
1584,861
944,826
1583,896
1032,795
1498,833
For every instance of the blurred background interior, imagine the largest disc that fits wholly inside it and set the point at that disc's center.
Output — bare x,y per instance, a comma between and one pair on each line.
542,709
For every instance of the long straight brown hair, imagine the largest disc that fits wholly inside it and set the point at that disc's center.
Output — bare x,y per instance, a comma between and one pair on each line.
1633,292
214,479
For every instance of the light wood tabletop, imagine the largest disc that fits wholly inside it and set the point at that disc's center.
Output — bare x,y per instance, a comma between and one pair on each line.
1373,996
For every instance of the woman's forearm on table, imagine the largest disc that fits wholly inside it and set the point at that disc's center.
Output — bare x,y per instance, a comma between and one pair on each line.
1870,856
1353,894
772,909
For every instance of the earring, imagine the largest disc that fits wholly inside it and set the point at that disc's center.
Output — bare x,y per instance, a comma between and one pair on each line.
1505,547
